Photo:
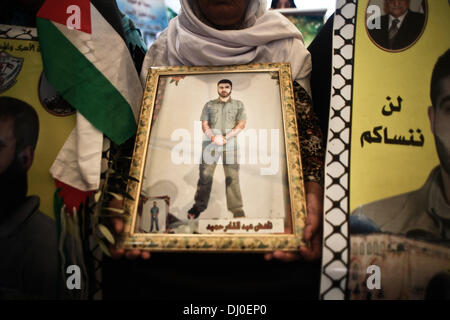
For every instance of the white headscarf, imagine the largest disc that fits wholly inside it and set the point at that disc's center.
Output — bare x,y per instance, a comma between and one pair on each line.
266,36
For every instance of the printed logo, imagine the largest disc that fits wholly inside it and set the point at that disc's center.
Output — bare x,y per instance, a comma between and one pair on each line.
374,280
10,67
52,101
74,278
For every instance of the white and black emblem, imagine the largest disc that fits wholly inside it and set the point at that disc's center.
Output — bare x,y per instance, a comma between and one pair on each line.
10,67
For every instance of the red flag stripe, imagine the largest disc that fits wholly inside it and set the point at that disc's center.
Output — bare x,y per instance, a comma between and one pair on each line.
68,13
71,196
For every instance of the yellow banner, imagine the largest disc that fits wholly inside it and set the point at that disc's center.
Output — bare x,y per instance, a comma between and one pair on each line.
56,118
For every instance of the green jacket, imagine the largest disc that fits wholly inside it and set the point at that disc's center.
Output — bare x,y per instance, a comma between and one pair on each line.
222,117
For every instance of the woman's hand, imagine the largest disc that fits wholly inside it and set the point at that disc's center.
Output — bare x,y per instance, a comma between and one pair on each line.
118,226
313,228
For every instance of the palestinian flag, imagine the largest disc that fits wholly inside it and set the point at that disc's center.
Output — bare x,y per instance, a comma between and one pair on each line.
87,60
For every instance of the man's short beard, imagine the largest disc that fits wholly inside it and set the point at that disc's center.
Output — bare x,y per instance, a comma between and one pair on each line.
226,96
443,154
13,187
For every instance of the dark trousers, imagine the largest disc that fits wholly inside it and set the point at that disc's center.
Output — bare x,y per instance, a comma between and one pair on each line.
232,187
155,221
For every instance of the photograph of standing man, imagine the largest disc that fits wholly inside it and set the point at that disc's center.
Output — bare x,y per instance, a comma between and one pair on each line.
154,212
222,120
400,26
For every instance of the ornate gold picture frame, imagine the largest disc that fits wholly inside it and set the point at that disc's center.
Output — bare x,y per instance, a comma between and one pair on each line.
217,162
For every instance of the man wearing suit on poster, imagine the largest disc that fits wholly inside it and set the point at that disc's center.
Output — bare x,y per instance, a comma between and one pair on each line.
399,27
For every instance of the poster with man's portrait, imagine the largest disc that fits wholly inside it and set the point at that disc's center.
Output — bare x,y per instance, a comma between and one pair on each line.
22,78
387,168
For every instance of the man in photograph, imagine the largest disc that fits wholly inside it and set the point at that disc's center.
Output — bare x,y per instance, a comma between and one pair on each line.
423,213
154,212
29,264
400,26
222,120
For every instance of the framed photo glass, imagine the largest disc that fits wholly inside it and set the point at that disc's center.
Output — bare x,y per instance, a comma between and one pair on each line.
216,162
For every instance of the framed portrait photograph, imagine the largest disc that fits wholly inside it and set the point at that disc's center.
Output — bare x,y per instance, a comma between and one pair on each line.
216,162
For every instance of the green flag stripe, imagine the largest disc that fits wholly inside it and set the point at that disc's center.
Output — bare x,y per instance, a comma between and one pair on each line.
83,86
